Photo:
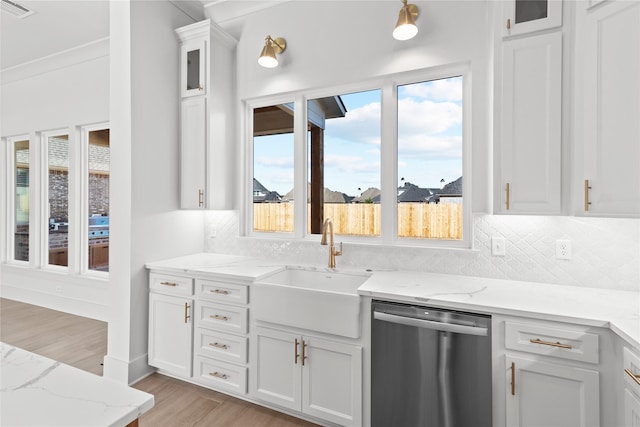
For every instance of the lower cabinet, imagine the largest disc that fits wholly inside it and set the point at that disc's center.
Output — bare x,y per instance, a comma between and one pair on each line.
551,394
170,333
318,377
631,373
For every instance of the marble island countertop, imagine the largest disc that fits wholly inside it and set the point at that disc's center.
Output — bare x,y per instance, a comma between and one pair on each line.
37,391
617,310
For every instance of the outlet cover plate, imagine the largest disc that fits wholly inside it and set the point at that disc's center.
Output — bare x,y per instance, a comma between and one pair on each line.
563,249
498,246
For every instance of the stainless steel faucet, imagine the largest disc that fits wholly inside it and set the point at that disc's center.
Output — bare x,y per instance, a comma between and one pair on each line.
328,225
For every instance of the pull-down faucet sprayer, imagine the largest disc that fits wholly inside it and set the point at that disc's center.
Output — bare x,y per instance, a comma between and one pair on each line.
328,226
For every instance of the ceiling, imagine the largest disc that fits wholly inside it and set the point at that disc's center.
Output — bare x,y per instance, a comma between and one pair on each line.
58,25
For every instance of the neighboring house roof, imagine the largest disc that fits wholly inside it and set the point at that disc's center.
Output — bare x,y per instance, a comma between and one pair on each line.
369,194
453,188
412,193
329,196
261,194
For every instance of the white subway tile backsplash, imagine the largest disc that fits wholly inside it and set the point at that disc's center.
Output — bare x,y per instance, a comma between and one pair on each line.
605,251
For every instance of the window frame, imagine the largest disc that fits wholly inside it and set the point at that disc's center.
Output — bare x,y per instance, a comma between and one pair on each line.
78,240
388,86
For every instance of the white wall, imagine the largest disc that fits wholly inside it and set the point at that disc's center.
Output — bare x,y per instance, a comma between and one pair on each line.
67,90
144,117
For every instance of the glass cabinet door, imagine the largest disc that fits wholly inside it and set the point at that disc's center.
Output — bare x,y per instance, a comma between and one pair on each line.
192,80
526,16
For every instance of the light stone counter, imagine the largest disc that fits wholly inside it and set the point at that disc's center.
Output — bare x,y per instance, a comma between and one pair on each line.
37,391
618,310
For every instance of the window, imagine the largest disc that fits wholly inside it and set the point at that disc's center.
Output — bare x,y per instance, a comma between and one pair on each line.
21,200
385,162
58,198
60,209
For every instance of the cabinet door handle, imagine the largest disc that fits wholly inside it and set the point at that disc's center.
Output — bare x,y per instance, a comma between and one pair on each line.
304,351
169,284
295,351
509,24
186,312
217,317
219,375
635,377
513,378
218,291
587,187
218,345
508,191
552,344
200,198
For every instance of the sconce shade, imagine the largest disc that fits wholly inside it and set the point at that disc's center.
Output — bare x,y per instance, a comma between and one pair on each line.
406,26
268,57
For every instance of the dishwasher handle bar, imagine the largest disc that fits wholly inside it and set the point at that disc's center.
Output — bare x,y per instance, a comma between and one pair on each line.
430,324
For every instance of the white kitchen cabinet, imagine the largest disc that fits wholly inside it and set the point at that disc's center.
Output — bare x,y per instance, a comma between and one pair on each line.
170,333
543,393
529,172
207,119
527,16
608,102
318,377
631,388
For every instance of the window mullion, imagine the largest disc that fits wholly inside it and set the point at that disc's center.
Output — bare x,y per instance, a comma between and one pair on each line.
389,163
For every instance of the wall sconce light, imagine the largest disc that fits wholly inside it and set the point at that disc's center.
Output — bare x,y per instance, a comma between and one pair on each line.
271,47
406,26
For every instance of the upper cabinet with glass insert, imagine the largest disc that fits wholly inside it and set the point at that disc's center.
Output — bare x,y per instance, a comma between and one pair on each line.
192,63
528,16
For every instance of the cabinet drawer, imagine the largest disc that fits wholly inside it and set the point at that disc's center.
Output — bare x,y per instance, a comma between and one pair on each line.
168,284
221,346
550,341
221,317
221,375
227,293
632,370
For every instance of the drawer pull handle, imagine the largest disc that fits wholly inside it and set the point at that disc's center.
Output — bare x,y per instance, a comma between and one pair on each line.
304,352
508,191
635,377
186,312
219,375
552,344
587,203
513,378
295,351
218,291
216,317
218,345
169,284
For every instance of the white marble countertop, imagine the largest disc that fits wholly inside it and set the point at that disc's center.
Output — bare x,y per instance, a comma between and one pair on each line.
617,310
36,391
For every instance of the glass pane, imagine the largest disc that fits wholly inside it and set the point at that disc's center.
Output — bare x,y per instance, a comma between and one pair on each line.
530,10
430,159
58,158
344,163
21,242
193,69
99,164
273,148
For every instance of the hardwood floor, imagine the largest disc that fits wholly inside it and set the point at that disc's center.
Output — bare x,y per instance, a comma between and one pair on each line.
82,343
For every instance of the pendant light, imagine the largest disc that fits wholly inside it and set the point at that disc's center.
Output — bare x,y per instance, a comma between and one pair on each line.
406,26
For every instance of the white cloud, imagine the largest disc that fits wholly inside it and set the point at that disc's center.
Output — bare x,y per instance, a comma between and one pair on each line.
276,162
361,125
350,164
427,117
436,90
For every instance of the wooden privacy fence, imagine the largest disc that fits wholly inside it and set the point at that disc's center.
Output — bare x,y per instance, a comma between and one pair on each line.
433,221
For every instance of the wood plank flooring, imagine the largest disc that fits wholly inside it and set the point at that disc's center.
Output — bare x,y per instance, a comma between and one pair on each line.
82,342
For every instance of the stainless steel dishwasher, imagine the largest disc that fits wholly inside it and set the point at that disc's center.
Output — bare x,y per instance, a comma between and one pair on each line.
430,367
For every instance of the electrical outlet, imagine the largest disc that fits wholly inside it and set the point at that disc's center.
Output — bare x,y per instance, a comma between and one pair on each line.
498,246
563,249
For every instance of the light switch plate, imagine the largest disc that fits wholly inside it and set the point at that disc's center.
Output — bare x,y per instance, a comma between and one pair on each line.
498,246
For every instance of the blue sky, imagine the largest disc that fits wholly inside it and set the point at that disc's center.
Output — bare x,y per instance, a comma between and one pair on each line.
429,141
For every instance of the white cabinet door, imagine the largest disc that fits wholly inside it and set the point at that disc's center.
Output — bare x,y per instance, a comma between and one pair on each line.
170,333
332,381
611,110
530,180
193,140
526,16
193,67
631,409
276,374
550,394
